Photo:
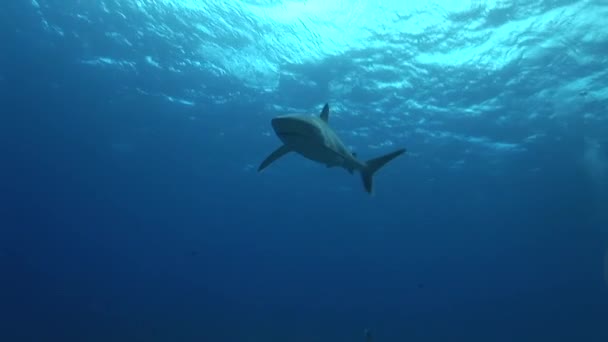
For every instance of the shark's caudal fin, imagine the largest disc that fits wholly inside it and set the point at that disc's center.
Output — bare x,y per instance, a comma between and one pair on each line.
373,165
276,154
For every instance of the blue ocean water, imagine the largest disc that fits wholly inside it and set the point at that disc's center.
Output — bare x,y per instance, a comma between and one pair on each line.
132,210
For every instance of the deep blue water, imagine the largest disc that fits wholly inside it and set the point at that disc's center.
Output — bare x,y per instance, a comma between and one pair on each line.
131,209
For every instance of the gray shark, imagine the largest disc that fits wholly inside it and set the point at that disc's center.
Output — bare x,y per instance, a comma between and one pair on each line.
313,138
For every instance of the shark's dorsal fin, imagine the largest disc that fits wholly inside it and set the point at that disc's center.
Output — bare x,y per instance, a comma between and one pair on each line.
276,154
325,113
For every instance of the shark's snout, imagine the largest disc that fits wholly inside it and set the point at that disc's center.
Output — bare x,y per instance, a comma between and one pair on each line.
295,130
279,123
285,126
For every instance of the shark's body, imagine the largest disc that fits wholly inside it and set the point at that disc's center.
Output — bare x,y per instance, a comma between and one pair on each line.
313,138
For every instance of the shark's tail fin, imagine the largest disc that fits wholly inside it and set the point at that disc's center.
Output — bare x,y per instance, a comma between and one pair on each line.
373,165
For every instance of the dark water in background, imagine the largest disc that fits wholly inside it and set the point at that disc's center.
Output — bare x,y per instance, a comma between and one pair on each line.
131,209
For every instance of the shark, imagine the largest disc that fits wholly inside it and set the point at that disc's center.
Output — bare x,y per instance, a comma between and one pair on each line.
313,138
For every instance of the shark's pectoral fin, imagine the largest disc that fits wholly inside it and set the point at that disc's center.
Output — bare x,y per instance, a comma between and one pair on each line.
276,154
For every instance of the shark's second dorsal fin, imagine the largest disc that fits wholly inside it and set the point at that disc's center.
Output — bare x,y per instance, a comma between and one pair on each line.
325,113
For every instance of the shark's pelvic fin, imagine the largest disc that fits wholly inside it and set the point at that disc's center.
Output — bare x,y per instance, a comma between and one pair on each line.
276,154
325,113
373,165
